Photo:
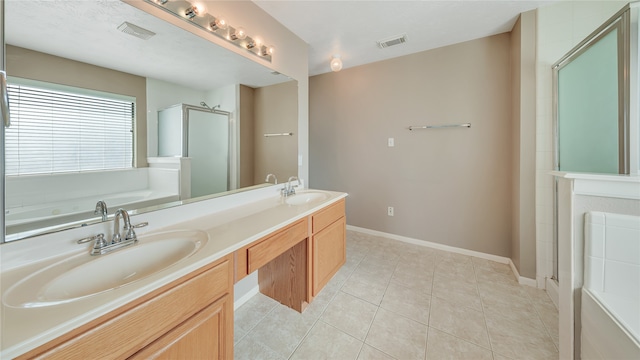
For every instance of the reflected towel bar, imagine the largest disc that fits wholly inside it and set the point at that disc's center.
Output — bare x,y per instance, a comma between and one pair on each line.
279,134
467,125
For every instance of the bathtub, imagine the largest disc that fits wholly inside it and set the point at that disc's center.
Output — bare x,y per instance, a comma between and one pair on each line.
22,220
610,311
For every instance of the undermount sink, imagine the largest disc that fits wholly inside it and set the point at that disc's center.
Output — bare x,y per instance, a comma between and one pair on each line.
84,275
306,197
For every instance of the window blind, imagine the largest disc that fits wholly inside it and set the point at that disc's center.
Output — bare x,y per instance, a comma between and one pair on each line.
56,131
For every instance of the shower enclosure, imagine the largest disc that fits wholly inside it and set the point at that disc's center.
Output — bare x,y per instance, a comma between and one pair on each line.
202,134
592,96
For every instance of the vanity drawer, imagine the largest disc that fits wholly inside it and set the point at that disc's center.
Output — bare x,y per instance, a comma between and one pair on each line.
327,216
274,245
121,333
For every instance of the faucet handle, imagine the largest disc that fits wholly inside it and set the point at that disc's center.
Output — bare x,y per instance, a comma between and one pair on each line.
142,224
90,238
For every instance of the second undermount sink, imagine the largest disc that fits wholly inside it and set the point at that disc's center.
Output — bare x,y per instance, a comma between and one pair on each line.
306,197
84,275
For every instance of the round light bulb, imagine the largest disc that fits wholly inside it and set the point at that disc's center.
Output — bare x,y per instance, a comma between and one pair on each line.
271,49
336,63
218,23
241,33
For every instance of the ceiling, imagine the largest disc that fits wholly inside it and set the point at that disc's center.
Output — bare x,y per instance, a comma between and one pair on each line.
351,28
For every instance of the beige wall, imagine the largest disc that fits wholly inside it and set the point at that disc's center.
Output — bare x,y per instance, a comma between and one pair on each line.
449,186
523,57
275,109
247,124
29,64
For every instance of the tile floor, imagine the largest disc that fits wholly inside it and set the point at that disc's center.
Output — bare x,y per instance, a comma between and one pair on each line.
394,300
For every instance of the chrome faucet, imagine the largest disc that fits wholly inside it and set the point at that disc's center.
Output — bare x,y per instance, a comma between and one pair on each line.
102,246
101,208
275,182
130,235
288,189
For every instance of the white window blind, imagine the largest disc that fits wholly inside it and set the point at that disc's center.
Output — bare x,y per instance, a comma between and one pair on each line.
56,131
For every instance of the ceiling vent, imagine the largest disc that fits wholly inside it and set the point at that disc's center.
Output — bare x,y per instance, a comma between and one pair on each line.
135,30
396,40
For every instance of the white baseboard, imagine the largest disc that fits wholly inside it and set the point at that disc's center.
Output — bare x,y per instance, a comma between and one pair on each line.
500,259
246,297
521,279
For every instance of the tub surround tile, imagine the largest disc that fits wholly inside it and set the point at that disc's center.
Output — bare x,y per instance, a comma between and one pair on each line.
441,345
397,336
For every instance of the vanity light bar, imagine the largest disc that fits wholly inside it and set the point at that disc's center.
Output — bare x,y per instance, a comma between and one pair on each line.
197,15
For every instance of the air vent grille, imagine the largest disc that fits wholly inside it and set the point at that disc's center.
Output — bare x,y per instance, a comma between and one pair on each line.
396,40
135,30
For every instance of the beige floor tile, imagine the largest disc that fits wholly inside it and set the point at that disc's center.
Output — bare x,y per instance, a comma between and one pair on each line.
549,316
253,311
497,356
516,310
370,353
467,296
407,302
459,292
327,342
238,334
456,270
282,330
365,288
417,281
465,323
485,275
350,314
492,265
249,349
519,340
441,345
400,337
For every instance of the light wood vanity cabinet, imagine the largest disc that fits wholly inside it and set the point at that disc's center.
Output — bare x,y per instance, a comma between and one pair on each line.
296,262
191,317
328,244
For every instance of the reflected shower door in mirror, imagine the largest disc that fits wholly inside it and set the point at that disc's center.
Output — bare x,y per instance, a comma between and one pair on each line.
170,67
200,136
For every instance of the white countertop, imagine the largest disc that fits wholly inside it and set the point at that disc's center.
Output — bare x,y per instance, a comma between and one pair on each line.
24,329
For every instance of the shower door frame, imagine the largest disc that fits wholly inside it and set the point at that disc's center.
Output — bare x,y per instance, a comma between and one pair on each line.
230,134
622,22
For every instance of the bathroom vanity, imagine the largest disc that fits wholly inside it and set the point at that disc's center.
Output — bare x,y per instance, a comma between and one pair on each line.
186,309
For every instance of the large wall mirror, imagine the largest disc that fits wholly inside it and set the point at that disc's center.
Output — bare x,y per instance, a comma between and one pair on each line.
99,114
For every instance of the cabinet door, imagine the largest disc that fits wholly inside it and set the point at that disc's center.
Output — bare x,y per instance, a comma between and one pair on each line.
329,253
206,335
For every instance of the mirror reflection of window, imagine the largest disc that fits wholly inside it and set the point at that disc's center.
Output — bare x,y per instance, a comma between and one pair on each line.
56,131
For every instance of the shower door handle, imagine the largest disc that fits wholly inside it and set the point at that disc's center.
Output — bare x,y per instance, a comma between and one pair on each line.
4,99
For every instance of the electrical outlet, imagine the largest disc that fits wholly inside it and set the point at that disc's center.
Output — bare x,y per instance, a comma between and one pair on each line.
391,142
390,211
